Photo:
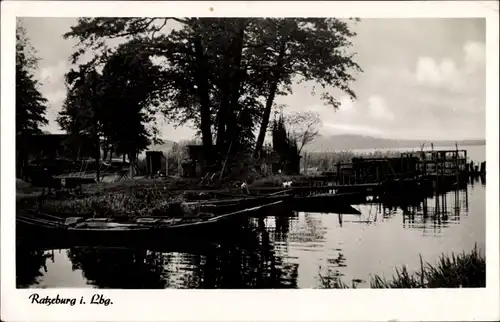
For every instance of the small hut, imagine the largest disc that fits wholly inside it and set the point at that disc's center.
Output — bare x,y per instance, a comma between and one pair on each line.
154,162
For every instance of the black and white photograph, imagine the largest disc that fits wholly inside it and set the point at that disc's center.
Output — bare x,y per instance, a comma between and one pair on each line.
249,153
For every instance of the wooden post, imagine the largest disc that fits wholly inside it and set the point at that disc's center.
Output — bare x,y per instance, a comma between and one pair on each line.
166,164
98,158
225,161
338,173
150,166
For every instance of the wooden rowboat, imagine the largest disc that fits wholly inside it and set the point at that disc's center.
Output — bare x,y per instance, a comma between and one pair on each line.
326,203
77,229
222,206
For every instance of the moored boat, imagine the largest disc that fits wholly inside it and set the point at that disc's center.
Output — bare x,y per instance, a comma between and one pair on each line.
329,203
222,206
42,227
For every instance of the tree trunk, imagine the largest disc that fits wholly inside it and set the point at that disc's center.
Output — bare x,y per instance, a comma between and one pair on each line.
131,160
105,151
202,83
21,158
270,99
237,73
265,118
98,159
231,86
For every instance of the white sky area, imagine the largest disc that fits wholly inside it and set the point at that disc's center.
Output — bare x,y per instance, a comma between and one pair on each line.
423,79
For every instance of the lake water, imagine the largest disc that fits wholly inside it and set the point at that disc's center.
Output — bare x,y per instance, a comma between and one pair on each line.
300,251
286,252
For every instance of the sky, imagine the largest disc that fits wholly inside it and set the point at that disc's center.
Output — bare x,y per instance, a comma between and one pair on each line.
423,78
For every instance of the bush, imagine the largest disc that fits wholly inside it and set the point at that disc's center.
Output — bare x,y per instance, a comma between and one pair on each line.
136,202
451,271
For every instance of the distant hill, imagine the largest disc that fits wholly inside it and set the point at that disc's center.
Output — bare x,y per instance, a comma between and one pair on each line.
353,142
357,142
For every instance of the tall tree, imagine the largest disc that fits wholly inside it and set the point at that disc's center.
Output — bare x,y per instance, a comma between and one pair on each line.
30,103
81,115
305,49
203,61
285,145
129,92
116,104
188,89
219,67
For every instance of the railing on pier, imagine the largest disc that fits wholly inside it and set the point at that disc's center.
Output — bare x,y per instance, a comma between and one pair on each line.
441,162
448,164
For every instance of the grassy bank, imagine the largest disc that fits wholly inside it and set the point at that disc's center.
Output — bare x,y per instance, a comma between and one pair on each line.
134,197
451,271
144,197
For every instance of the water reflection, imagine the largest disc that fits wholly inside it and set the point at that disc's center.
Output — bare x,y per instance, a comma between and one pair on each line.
286,250
31,266
120,268
434,214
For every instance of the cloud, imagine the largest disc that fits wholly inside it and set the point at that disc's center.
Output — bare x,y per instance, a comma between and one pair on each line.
56,97
53,75
446,73
475,56
378,109
339,128
346,105
52,86
438,74
423,77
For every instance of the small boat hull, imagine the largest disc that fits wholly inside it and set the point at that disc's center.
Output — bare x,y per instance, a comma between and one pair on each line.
104,232
329,203
207,231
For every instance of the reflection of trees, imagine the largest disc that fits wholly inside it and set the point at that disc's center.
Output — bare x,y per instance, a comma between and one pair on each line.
312,230
282,227
249,264
120,268
29,263
250,261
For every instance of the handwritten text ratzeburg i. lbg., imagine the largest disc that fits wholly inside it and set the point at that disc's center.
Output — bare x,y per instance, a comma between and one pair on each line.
96,299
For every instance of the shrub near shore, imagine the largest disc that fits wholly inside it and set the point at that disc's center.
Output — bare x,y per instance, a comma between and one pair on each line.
147,199
139,197
465,270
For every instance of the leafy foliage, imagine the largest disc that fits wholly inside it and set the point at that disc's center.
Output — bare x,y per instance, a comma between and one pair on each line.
30,104
303,127
80,115
284,145
304,49
115,104
129,82
222,75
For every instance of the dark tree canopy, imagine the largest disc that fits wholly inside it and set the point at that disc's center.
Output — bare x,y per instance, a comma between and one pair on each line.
81,108
223,74
129,87
114,106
